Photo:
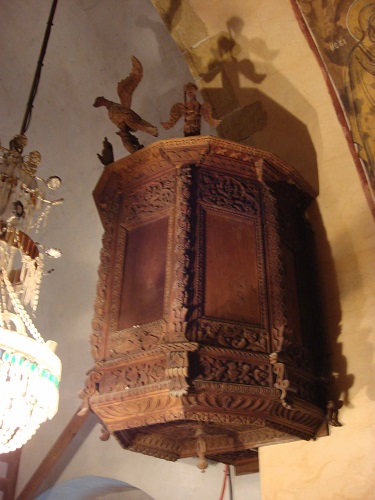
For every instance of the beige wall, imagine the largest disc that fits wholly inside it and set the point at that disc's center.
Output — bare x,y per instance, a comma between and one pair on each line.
270,93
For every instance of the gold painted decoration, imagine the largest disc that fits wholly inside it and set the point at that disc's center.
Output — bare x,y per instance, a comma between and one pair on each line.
343,35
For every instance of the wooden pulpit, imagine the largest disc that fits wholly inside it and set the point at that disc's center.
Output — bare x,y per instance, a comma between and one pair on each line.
206,336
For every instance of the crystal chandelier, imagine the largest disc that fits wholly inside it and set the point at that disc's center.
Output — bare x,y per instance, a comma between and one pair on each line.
30,371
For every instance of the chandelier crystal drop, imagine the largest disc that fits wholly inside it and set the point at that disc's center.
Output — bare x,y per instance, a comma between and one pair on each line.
30,371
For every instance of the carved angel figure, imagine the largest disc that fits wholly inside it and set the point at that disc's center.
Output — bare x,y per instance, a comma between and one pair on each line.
122,115
193,111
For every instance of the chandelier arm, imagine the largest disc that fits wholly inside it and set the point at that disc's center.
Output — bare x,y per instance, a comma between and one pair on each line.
20,310
34,87
2,303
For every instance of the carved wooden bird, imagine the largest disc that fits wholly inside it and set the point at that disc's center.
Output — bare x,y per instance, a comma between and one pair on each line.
122,115
107,153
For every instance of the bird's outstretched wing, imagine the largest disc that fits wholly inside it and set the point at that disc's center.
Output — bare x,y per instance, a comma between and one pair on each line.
126,87
206,111
177,110
135,122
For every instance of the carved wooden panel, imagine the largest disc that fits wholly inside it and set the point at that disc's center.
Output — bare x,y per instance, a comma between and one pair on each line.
204,311
229,334
142,295
231,291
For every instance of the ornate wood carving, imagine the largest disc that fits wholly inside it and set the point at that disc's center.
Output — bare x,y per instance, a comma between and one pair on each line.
138,338
91,389
132,375
177,372
275,271
183,256
238,336
240,372
228,192
148,199
117,278
156,445
210,360
109,210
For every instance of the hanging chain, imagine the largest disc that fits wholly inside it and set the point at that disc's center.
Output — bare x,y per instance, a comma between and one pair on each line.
34,87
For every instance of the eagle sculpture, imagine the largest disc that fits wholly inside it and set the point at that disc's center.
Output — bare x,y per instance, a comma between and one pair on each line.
122,115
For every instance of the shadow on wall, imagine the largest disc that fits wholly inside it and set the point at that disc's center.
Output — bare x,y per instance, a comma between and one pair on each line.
248,115
172,14
94,487
335,366
348,265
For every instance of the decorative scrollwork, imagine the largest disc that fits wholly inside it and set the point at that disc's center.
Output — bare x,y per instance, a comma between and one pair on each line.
277,286
156,446
228,192
109,215
282,337
219,418
231,402
142,338
248,390
120,407
117,277
282,383
91,388
177,372
232,335
229,370
183,253
150,198
131,375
